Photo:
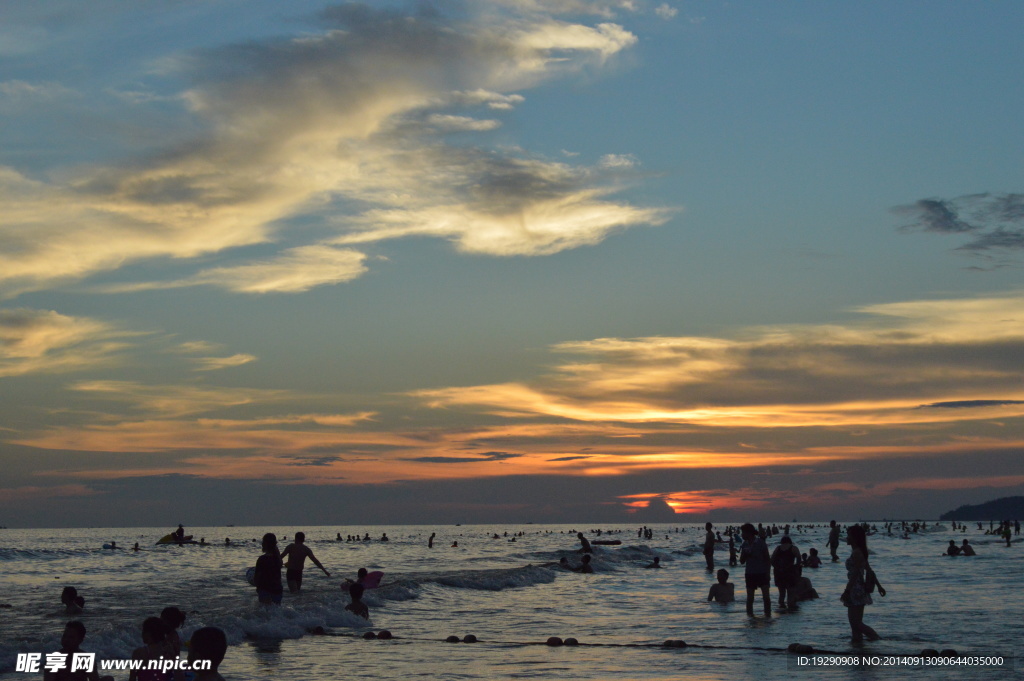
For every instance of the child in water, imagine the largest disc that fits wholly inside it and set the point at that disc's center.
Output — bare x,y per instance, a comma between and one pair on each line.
724,591
357,607
73,603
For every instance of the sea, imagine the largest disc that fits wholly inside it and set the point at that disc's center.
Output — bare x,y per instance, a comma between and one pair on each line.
504,586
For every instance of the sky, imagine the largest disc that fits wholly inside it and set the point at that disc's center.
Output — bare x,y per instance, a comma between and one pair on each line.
508,261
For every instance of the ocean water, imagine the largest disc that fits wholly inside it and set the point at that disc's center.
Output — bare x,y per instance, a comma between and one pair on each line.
512,596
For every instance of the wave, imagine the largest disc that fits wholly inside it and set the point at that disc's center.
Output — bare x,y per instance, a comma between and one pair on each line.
43,554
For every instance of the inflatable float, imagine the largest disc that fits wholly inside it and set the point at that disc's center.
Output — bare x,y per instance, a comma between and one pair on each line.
171,539
371,581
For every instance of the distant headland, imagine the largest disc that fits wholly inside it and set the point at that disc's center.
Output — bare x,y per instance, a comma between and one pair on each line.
997,509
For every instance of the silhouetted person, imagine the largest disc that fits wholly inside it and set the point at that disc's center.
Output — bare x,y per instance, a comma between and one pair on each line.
585,546
786,563
952,549
966,549
857,594
208,643
754,555
155,647
709,547
655,564
173,618
724,591
833,541
297,553
268,572
357,606
70,644
73,603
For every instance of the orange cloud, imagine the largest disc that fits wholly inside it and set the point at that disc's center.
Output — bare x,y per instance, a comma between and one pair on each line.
929,362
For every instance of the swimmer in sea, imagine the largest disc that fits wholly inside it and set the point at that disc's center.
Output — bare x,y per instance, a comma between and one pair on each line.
155,647
813,561
584,544
966,549
952,549
357,607
585,567
655,564
724,591
208,643
360,578
70,645
430,542
73,603
297,553
173,618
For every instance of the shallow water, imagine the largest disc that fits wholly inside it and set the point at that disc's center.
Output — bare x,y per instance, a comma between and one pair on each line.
510,595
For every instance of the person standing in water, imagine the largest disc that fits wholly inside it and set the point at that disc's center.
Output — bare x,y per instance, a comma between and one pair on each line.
786,562
833,541
857,594
754,555
268,572
709,546
297,553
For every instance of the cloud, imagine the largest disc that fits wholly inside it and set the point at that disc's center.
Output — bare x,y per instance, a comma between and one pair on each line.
25,495
44,341
489,456
294,271
994,221
874,373
216,363
666,11
935,215
969,404
17,95
345,127
171,401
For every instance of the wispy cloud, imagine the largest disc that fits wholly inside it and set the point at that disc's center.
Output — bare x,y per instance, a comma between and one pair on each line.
294,271
480,458
345,125
170,401
216,363
994,222
878,372
43,341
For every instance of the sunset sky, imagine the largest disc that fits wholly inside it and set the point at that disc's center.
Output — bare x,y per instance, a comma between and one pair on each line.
508,261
